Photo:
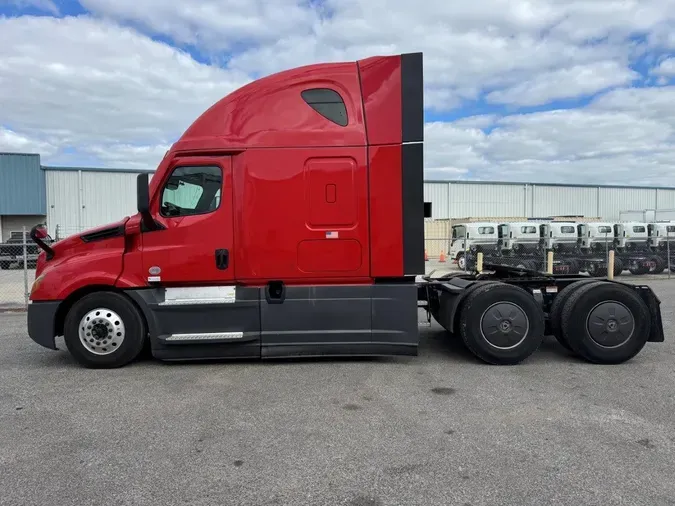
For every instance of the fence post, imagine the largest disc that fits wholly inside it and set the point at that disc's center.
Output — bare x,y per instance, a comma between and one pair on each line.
549,262
466,251
668,248
479,262
610,265
25,268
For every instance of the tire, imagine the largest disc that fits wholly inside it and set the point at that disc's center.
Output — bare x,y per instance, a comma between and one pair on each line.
119,319
509,347
597,270
618,267
639,271
461,261
574,267
597,303
555,315
5,265
659,265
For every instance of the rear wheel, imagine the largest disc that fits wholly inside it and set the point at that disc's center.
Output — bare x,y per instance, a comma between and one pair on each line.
639,270
104,330
555,315
605,323
501,324
618,267
657,264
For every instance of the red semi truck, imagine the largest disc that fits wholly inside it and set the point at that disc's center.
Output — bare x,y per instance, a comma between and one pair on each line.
288,220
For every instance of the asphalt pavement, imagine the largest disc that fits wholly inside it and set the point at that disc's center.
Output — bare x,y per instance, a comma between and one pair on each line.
437,429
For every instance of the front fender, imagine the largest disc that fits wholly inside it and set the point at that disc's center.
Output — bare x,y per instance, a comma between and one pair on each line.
59,280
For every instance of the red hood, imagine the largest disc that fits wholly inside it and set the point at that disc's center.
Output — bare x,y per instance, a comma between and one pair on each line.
65,248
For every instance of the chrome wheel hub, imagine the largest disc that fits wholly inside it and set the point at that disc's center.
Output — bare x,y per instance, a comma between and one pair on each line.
101,331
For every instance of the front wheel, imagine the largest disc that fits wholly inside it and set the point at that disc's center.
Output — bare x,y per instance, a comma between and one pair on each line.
501,324
461,261
104,330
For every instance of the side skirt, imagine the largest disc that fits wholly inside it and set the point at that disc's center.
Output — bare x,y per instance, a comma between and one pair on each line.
297,321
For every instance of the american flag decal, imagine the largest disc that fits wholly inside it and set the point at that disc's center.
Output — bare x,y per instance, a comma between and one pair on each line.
331,235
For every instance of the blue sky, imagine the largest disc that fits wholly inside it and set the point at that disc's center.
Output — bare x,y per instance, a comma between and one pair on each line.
528,90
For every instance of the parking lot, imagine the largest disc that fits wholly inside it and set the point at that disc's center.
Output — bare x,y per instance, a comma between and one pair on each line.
437,429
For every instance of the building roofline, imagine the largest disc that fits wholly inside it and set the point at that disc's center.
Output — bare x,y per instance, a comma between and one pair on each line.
18,154
97,169
575,185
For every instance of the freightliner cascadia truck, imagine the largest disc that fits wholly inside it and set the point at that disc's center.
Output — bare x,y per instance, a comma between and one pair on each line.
288,221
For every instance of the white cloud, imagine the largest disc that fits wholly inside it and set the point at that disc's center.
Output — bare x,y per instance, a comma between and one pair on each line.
573,82
626,136
12,142
115,97
81,82
666,68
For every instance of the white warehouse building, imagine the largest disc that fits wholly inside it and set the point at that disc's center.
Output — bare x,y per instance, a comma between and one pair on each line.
481,199
79,198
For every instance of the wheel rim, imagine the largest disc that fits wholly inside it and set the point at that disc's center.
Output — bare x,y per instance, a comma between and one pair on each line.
610,324
101,331
461,262
504,325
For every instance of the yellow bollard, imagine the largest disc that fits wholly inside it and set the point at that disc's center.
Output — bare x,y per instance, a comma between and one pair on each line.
610,265
549,262
479,262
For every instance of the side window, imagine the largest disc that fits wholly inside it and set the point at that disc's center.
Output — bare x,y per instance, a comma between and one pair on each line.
638,230
191,190
328,103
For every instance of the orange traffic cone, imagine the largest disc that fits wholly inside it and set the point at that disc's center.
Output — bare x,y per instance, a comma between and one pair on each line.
426,256
442,257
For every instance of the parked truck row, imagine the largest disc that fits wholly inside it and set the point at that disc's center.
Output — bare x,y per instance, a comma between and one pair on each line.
639,247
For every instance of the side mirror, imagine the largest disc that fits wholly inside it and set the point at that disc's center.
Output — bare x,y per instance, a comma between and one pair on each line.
143,202
142,194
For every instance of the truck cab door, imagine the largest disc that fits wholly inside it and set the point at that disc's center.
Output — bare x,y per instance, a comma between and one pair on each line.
194,208
198,311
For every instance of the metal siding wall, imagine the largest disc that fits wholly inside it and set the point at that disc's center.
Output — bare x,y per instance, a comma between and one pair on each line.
107,197
22,185
437,194
563,200
665,199
487,200
62,202
615,200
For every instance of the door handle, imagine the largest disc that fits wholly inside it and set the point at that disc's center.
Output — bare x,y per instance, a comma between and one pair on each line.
222,259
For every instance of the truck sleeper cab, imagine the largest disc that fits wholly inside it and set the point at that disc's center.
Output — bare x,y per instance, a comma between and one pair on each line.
288,220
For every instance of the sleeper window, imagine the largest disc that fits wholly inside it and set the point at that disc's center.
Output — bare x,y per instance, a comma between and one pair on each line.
328,103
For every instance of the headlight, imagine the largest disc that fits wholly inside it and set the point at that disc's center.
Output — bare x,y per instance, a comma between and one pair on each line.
36,283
